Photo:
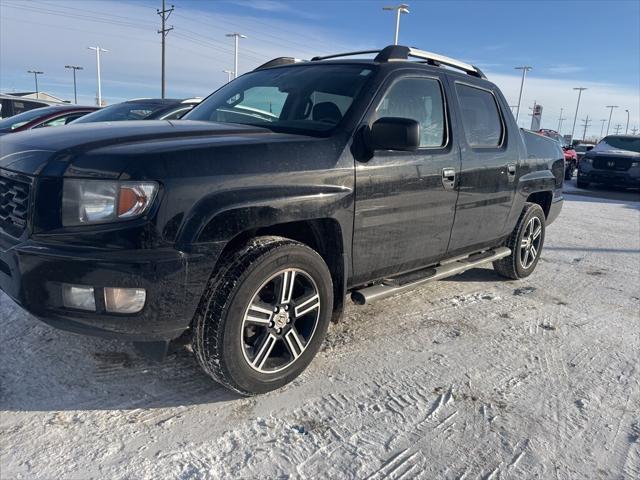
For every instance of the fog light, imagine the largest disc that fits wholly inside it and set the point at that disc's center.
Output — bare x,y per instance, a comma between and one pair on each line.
79,297
124,300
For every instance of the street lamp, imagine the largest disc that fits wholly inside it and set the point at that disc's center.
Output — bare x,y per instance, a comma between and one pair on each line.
626,129
229,73
610,113
575,117
524,69
35,76
235,36
74,68
400,9
99,93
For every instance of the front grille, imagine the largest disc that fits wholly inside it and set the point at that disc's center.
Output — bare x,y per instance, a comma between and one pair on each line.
14,205
612,163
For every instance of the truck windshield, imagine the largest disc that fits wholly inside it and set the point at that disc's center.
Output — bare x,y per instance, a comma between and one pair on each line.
309,99
619,143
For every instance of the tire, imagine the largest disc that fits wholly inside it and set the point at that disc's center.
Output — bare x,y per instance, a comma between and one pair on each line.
582,184
239,338
521,264
568,172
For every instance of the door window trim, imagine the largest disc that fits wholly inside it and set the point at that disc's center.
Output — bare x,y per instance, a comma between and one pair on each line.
503,135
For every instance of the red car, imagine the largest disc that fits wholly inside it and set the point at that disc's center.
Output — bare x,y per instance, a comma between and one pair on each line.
570,155
53,116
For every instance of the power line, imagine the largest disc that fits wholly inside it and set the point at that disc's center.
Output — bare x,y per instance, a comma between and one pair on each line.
164,31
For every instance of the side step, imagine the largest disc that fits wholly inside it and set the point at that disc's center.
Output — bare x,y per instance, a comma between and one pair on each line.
411,280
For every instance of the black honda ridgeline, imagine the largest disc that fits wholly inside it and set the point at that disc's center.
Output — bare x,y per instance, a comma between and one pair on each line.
245,226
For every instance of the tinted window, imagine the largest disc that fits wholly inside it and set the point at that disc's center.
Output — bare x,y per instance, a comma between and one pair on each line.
419,99
16,121
480,116
299,99
123,111
611,142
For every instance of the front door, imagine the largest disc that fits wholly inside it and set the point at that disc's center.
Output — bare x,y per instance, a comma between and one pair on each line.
404,208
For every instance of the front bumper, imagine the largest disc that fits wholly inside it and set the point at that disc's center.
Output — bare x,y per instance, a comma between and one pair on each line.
32,275
625,179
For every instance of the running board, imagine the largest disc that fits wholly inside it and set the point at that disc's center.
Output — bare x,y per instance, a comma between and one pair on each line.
411,280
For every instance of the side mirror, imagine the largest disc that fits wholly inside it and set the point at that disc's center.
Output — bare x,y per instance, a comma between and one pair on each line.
393,133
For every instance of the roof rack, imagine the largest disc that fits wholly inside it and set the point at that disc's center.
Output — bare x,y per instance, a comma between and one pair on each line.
399,52
276,62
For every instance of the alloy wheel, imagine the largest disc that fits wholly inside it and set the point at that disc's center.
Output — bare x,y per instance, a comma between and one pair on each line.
280,321
530,243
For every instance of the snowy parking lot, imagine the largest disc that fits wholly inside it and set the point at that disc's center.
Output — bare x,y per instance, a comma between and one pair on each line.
470,377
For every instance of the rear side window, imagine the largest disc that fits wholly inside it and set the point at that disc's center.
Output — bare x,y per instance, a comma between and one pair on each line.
480,117
418,99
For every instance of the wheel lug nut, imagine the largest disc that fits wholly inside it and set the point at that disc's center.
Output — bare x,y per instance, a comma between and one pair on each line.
275,310
286,307
271,324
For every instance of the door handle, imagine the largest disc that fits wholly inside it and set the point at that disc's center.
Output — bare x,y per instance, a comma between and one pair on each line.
448,178
511,171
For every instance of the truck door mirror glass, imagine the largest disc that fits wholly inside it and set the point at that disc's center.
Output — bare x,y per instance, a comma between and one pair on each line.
393,133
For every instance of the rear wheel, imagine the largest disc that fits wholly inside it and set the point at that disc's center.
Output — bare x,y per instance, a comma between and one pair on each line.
525,242
569,171
264,315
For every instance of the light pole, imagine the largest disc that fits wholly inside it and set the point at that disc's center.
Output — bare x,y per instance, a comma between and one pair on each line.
400,9
575,117
626,129
35,76
99,92
235,36
603,120
524,69
74,68
229,73
610,113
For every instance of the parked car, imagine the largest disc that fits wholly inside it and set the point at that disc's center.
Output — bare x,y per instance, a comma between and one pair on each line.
11,105
581,149
615,160
570,155
143,109
53,116
244,226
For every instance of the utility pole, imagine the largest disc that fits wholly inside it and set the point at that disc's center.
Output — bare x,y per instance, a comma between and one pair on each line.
74,68
586,124
610,113
98,49
634,130
236,37
164,15
618,127
560,120
229,74
626,129
524,69
575,117
603,120
400,9
35,76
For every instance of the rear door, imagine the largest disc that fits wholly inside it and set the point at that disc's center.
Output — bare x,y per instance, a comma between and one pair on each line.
404,210
487,181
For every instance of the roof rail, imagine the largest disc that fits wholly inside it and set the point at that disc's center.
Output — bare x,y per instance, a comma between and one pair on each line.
399,52
276,62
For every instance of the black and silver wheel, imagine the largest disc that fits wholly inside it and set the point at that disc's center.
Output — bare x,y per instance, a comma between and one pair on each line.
525,242
264,315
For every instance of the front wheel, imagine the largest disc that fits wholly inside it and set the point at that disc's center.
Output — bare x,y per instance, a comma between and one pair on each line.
525,242
264,315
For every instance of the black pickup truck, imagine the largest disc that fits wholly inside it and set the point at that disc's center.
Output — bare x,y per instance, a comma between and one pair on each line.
244,227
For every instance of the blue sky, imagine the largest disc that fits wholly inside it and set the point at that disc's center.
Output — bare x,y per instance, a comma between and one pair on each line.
595,44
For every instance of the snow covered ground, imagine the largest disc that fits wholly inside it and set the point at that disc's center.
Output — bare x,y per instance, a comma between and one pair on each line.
471,377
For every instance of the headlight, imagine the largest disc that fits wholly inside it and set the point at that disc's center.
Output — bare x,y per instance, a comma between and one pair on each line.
101,201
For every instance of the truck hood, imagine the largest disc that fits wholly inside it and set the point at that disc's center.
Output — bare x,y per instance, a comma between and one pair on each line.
51,151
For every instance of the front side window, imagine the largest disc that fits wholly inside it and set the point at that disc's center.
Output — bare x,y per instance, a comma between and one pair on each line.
309,99
480,116
418,99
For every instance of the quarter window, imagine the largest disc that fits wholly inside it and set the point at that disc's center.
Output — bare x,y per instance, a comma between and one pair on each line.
419,99
480,116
